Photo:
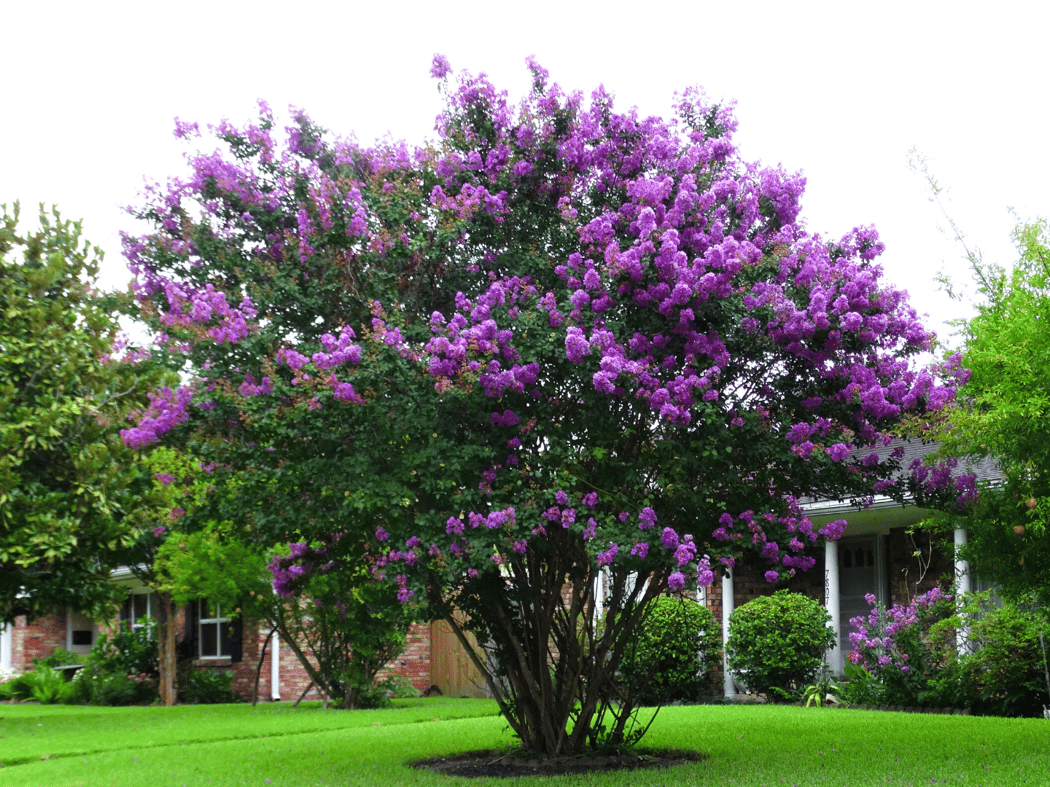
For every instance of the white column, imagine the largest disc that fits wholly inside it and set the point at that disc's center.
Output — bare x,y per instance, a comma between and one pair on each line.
727,609
275,667
6,660
833,604
701,599
962,585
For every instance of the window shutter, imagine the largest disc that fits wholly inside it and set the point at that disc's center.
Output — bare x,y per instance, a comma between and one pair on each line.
236,639
188,645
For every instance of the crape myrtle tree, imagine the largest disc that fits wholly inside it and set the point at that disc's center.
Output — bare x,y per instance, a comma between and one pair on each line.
560,342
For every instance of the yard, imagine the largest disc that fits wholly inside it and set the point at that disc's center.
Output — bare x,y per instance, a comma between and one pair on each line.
280,745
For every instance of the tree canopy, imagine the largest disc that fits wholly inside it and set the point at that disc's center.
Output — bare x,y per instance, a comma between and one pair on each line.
560,344
70,493
1003,414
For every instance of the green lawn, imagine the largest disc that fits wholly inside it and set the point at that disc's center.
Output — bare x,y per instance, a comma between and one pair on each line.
280,745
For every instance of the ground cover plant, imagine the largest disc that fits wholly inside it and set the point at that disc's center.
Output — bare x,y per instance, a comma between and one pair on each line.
278,744
560,340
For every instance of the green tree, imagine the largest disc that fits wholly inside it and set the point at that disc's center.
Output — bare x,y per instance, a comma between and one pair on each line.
1003,414
72,498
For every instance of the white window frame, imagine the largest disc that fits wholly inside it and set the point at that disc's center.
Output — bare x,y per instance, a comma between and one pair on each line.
151,610
218,621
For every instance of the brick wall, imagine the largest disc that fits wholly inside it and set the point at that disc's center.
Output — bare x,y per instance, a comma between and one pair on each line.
414,662
37,639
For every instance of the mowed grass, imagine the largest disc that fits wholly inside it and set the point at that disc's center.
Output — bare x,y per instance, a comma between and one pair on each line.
280,745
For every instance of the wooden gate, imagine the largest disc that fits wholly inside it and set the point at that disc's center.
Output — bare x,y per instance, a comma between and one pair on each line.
451,669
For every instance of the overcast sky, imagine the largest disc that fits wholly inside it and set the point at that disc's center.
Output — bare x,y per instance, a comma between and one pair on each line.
838,90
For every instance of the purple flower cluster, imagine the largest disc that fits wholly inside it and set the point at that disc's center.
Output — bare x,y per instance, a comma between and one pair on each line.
875,639
166,410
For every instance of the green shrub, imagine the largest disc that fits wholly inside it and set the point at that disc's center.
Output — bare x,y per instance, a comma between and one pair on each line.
207,687
777,643
668,658
127,652
60,657
122,668
1002,672
48,684
123,690
398,687
44,684
19,687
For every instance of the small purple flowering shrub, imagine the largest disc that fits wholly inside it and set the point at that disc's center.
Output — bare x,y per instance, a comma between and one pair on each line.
896,649
777,643
341,620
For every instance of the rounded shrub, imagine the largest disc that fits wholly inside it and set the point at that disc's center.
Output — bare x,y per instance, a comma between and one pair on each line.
777,643
667,659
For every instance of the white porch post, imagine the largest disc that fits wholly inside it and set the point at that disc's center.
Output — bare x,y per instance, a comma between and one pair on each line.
727,609
275,667
962,584
832,603
701,599
6,660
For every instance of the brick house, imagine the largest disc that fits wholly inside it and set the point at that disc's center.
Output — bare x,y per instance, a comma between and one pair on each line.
208,638
875,555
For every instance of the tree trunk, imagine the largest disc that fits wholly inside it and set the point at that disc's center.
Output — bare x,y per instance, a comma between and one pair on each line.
166,611
553,665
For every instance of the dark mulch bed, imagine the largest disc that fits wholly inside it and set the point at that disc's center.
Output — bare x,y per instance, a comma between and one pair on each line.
502,764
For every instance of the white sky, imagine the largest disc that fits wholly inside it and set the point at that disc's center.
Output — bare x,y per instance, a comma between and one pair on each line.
839,90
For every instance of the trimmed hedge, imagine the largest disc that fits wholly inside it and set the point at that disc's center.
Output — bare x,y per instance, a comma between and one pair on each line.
777,643
669,657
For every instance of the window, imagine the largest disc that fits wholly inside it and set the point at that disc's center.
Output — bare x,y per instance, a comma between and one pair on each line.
139,610
216,632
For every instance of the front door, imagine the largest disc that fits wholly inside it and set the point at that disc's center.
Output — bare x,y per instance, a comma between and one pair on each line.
858,576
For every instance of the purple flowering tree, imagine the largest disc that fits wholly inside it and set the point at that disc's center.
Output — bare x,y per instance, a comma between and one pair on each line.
562,342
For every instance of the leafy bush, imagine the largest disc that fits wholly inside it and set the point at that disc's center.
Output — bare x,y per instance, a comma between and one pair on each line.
777,643
60,657
47,684
122,668
19,687
398,687
114,689
127,651
1002,671
44,684
667,659
207,687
